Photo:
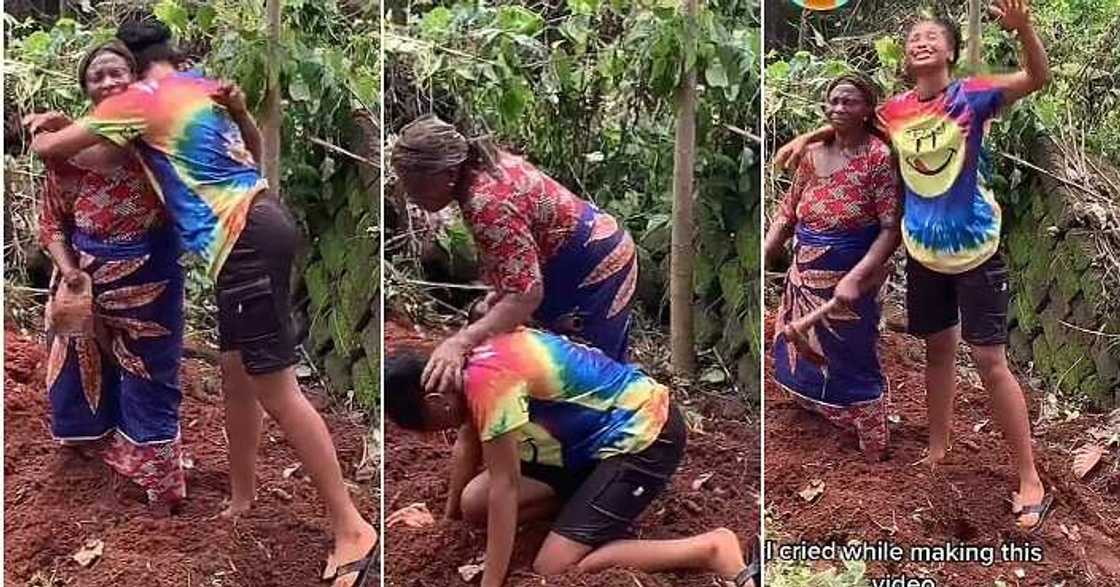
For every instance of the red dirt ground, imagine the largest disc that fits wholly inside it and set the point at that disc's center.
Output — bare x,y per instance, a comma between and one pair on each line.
54,503
962,501
416,471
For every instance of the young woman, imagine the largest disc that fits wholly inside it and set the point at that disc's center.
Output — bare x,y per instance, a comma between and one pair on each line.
549,255
200,145
100,216
957,284
843,207
549,428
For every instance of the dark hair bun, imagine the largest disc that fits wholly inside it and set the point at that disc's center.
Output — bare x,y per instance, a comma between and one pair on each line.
141,34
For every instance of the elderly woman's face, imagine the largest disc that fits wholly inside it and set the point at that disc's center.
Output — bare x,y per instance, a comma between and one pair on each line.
432,191
847,108
107,74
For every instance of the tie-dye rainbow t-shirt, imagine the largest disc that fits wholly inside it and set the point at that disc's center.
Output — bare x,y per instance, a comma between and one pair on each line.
951,220
570,405
193,153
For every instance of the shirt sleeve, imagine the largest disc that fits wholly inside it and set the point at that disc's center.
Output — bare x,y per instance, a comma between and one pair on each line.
985,97
502,409
120,118
883,177
507,250
788,206
54,211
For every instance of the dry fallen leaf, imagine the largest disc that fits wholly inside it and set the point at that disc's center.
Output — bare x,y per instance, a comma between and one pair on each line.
980,426
812,491
701,480
470,572
281,494
90,552
1073,534
289,471
414,515
1085,458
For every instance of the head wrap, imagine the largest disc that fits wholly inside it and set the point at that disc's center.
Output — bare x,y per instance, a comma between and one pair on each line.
429,145
112,46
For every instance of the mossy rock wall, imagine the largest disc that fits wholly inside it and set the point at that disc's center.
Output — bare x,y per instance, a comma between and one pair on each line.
343,276
1059,295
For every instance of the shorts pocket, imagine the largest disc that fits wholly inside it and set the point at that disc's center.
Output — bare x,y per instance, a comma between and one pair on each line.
628,494
247,311
997,278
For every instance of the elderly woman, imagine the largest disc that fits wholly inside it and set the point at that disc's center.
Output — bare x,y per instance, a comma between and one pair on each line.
548,255
101,218
843,208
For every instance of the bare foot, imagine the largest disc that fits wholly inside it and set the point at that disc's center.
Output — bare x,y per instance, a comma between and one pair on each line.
1028,494
727,553
236,508
349,548
932,458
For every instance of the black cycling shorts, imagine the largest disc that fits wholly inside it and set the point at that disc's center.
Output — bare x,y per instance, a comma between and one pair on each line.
254,301
602,503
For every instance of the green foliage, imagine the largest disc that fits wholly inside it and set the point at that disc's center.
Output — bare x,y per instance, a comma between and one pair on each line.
784,574
329,69
1082,100
587,91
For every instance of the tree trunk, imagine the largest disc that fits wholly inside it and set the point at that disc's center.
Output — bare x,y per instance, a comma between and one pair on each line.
681,260
975,43
271,122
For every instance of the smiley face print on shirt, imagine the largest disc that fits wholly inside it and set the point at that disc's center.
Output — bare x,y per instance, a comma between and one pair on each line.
951,221
932,154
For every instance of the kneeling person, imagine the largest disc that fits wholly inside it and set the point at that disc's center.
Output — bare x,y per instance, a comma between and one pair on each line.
562,428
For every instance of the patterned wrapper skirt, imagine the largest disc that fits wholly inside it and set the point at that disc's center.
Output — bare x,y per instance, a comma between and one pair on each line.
127,395
849,389
589,284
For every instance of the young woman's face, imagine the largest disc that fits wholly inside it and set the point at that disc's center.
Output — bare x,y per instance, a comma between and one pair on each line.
928,47
107,74
432,192
847,108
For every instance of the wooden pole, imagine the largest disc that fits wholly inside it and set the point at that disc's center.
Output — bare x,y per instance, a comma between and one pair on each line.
272,116
975,43
682,250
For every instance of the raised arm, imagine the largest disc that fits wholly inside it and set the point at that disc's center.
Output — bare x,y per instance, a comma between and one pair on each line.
229,96
504,465
1015,15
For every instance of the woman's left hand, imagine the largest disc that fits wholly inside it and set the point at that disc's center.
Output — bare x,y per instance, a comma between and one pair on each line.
444,371
847,291
1013,15
230,96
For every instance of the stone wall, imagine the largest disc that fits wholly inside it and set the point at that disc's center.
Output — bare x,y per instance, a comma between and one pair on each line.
1059,295
343,278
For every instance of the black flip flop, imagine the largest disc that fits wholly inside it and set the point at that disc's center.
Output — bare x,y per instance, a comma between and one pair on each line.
753,571
363,567
1042,508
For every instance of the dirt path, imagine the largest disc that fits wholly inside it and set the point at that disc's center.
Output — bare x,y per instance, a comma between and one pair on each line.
416,471
962,502
54,503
